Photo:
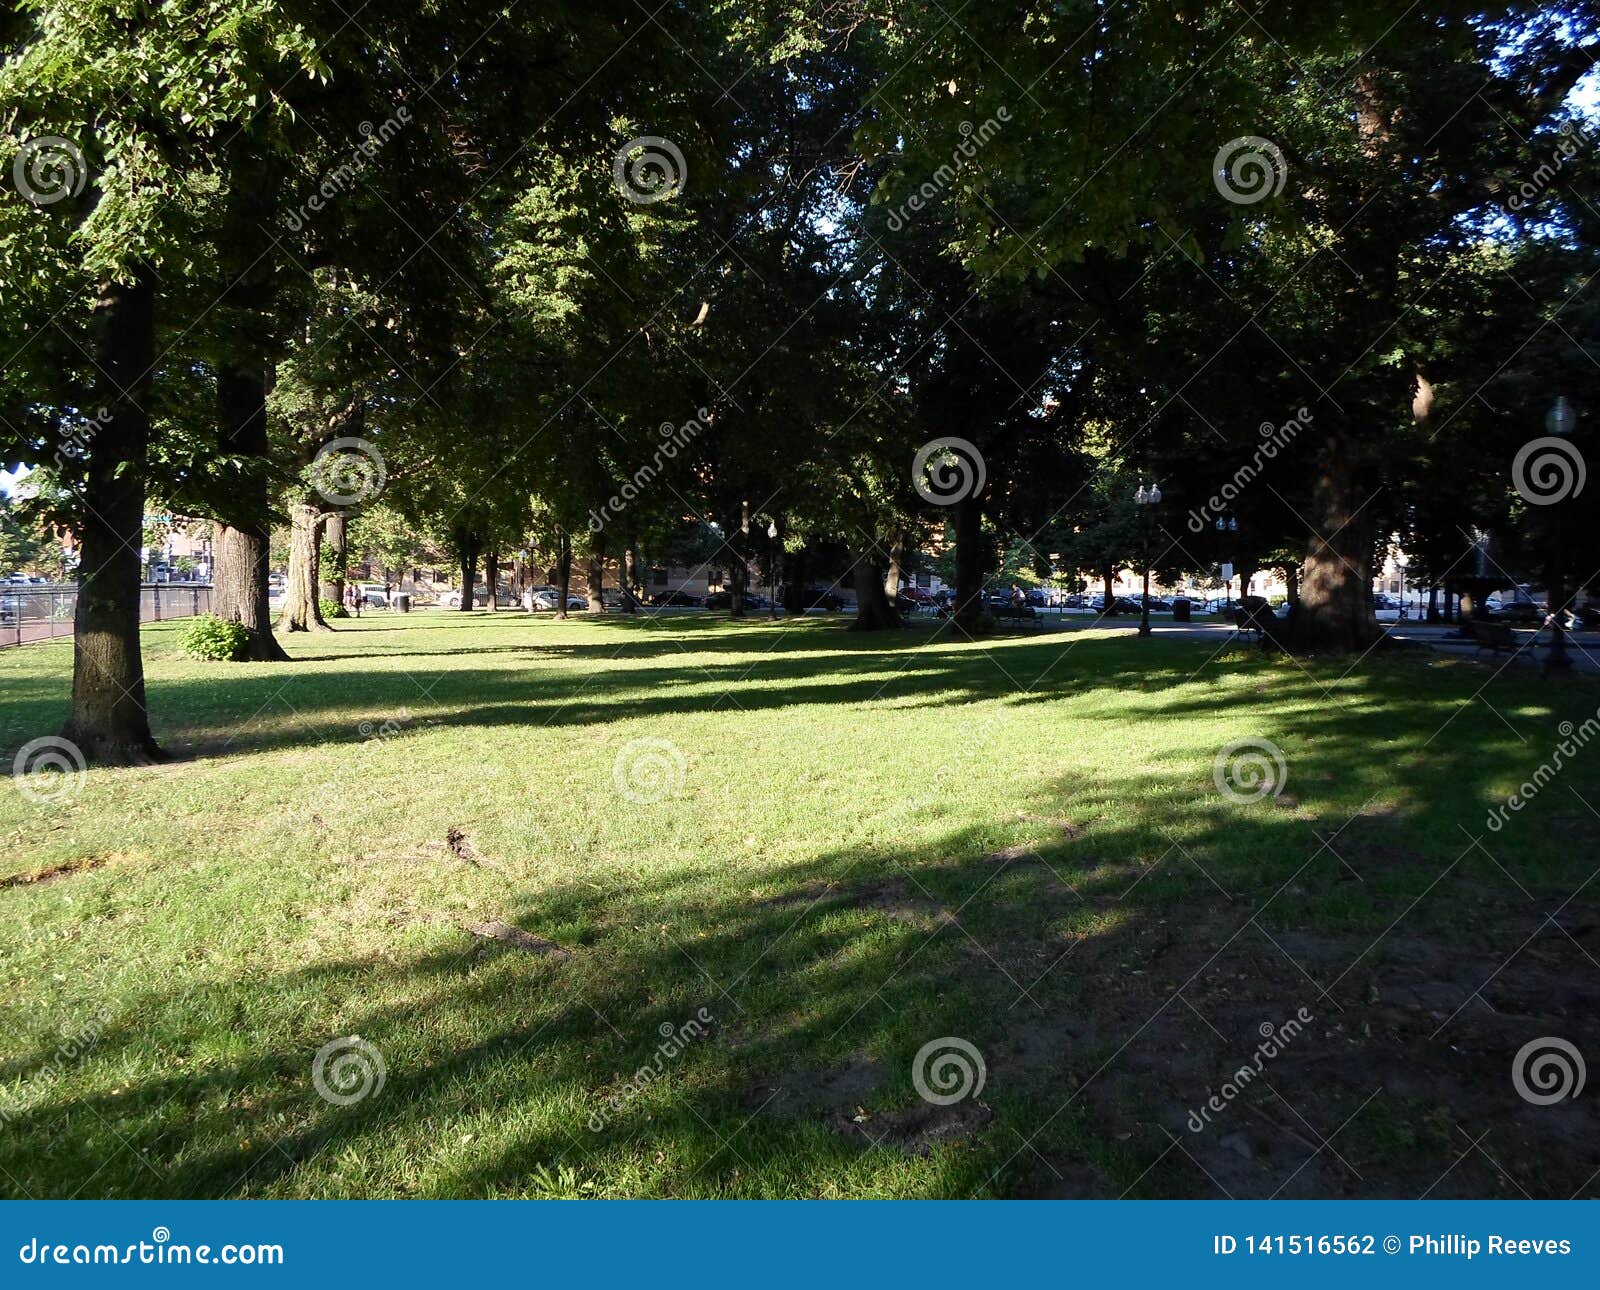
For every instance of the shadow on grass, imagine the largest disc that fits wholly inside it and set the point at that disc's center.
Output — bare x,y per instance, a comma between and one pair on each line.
1112,980
1113,974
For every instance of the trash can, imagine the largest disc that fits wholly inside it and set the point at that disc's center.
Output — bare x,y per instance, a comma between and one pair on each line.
1180,610
401,604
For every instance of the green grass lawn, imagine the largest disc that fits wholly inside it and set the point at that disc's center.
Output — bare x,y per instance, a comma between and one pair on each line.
831,851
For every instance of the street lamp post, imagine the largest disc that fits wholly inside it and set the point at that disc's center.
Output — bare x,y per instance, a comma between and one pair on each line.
1144,499
772,572
1560,422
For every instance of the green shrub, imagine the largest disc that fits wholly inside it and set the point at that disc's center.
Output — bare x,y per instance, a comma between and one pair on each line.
214,640
332,609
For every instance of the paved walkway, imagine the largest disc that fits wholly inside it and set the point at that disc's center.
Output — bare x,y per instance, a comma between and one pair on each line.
1583,648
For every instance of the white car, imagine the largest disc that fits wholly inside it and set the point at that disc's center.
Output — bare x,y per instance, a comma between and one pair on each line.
550,598
480,599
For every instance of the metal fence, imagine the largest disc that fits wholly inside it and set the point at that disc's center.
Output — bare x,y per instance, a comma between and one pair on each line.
38,613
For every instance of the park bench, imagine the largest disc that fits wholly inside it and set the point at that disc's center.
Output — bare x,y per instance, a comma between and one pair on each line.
1026,615
1493,636
1254,615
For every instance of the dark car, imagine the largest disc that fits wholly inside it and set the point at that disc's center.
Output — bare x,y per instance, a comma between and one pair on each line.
724,600
818,598
675,599
1119,605
1520,611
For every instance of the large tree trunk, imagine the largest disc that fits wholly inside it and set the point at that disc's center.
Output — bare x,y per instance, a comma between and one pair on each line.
335,539
244,538
970,562
1336,612
468,549
875,612
1108,575
630,578
597,574
1245,571
491,576
739,563
301,612
109,721
246,252
898,550
563,571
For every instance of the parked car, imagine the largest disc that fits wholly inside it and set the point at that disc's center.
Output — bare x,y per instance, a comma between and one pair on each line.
1121,605
448,599
915,595
550,599
1520,611
820,598
674,599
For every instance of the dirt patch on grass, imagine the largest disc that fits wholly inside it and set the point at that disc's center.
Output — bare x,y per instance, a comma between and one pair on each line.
64,869
810,1091
916,1130
838,1097
1399,1082
899,902
517,939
